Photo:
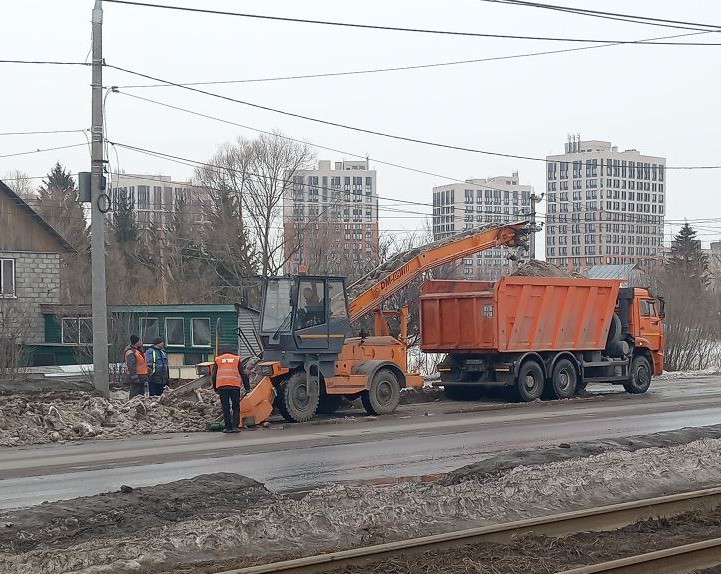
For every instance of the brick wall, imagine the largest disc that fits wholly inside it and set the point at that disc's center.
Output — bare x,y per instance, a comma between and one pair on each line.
37,282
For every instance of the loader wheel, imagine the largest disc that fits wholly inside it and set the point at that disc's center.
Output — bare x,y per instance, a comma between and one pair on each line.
462,392
383,395
329,404
640,376
529,385
296,402
563,380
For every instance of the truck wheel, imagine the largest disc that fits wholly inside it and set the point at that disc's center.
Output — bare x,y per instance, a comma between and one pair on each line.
383,395
563,380
529,385
296,402
329,404
640,376
462,392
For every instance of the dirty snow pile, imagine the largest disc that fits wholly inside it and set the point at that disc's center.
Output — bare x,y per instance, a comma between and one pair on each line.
676,375
52,417
341,516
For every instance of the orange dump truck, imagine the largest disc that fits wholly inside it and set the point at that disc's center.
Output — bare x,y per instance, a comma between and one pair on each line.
542,336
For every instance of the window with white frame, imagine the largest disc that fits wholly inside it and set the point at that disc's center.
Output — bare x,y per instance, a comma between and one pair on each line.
175,332
7,278
200,332
77,330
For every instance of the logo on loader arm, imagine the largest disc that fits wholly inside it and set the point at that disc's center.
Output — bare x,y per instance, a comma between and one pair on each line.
393,277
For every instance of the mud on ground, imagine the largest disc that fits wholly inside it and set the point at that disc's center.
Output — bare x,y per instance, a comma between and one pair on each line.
266,526
546,555
118,514
500,464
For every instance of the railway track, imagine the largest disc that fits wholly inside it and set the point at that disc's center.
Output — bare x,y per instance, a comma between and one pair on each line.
686,558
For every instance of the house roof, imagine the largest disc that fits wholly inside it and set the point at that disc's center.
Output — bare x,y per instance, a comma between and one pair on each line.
611,271
165,309
146,309
22,204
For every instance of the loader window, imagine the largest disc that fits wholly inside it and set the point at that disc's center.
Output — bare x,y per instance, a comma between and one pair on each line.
277,305
336,295
311,304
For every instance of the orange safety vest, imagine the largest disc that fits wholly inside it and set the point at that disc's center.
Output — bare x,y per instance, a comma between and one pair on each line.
141,364
227,374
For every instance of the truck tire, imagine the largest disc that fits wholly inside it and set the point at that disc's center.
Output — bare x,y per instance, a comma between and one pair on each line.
462,392
329,404
640,376
296,402
563,380
530,383
383,394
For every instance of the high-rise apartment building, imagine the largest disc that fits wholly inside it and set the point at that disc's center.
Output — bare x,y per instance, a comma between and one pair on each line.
477,202
330,219
155,197
604,206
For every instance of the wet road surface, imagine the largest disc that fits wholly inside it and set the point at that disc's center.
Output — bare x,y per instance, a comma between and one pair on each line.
420,439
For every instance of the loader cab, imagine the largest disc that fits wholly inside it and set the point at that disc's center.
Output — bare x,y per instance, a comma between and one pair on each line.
303,314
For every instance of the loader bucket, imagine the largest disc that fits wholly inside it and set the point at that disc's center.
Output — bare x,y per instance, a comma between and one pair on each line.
257,406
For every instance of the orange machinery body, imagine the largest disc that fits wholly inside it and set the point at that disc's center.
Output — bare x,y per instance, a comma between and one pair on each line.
257,405
521,314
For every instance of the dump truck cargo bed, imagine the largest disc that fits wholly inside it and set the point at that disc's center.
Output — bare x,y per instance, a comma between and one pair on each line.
516,314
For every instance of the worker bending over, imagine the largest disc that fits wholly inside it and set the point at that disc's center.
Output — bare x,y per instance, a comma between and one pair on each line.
227,377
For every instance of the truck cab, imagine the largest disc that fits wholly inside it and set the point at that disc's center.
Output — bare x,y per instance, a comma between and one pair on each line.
645,324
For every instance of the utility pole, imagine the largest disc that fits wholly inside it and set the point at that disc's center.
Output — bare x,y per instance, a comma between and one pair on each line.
97,218
535,228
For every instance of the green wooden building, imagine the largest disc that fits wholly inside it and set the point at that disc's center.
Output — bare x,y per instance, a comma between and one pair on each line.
189,332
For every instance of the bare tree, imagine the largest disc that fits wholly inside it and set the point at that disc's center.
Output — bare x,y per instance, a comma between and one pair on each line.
692,325
246,183
20,183
14,329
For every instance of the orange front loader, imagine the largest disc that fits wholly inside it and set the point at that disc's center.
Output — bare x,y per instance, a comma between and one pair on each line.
309,364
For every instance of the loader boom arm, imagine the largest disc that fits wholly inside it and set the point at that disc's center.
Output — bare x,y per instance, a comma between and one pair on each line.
376,289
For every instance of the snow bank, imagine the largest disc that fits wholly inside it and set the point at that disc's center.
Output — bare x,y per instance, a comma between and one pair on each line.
342,516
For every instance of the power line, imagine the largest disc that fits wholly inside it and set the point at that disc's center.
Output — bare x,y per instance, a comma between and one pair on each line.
359,129
42,150
45,62
403,68
399,29
684,25
628,217
317,146
42,132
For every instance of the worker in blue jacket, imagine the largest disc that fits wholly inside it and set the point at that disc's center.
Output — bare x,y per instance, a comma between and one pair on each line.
159,374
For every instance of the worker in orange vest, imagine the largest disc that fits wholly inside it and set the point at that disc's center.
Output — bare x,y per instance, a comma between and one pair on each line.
227,377
136,367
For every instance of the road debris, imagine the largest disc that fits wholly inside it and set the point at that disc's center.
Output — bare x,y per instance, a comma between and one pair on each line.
536,268
72,415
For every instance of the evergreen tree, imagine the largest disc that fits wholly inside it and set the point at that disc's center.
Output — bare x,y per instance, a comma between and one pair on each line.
125,227
687,262
59,204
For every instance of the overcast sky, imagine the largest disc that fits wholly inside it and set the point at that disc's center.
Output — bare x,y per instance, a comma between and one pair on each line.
662,101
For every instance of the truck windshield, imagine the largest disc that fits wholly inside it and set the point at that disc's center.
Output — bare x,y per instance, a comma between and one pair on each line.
277,305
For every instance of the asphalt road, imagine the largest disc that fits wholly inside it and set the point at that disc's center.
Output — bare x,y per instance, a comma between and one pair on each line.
419,440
